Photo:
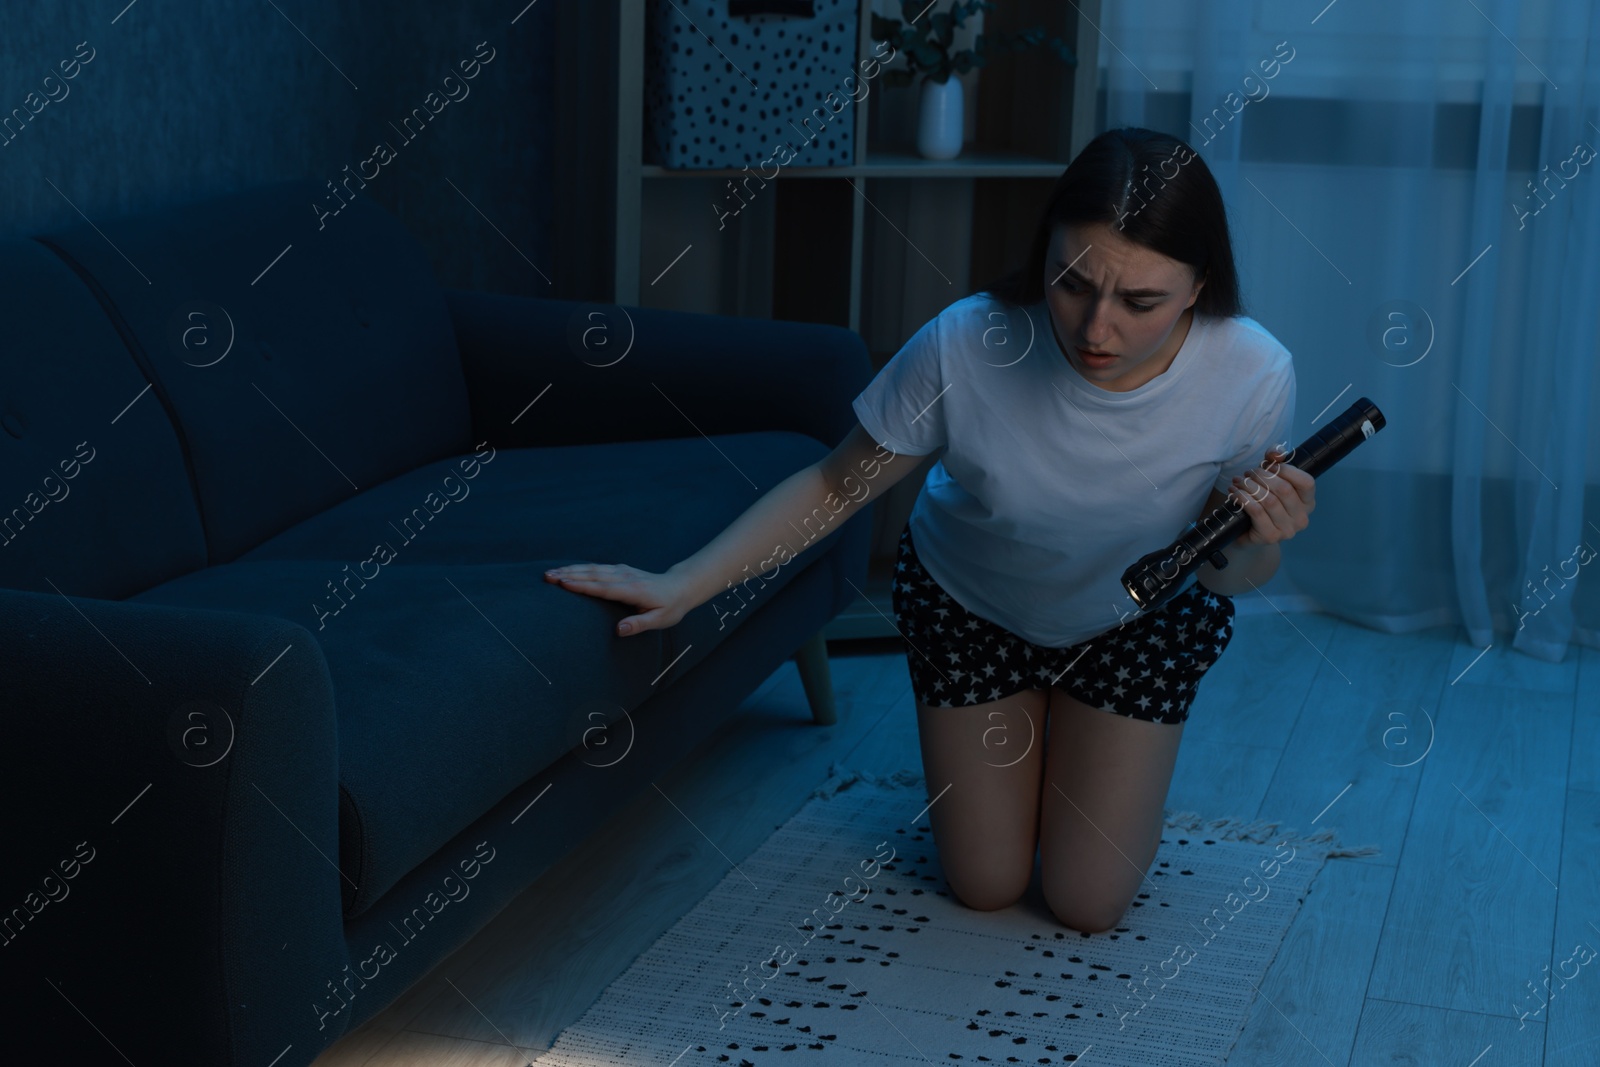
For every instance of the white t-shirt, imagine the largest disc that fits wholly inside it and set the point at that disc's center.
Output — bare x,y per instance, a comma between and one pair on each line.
1050,486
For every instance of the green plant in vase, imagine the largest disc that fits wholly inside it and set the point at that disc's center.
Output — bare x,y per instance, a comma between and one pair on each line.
925,39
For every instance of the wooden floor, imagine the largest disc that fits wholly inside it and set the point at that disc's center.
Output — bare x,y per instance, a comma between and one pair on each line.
1477,776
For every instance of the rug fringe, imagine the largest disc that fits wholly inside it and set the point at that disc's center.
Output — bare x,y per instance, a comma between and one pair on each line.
842,777
1261,832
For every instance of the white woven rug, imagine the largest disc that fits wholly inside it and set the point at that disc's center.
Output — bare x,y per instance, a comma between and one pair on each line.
837,942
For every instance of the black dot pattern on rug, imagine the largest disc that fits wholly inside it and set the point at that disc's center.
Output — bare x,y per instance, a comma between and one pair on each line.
1029,1013
725,91
791,955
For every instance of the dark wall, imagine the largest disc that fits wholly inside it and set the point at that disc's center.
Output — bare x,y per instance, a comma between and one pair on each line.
186,98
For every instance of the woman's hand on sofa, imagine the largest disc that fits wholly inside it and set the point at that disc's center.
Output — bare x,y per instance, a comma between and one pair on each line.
665,598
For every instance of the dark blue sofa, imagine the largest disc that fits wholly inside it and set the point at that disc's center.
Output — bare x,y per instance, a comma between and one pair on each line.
290,712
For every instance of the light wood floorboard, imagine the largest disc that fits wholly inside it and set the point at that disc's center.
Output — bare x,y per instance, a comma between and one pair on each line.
1473,910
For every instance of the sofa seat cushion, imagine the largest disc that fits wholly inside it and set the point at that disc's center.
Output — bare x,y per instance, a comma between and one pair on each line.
648,504
458,672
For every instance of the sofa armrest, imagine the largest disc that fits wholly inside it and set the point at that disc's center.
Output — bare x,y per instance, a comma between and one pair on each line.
605,373
170,846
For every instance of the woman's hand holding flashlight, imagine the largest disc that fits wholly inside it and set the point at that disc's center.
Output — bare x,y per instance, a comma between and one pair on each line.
1279,499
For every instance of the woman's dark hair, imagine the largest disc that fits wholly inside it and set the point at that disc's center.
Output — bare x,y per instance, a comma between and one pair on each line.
1159,193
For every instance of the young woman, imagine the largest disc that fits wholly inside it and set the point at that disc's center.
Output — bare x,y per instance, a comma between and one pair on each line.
1090,405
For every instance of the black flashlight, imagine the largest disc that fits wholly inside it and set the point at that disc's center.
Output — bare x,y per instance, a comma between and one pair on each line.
1159,574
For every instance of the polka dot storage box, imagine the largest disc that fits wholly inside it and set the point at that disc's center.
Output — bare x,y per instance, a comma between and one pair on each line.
758,83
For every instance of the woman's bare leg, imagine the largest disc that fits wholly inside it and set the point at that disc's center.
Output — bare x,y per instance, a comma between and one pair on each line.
984,764
1106,780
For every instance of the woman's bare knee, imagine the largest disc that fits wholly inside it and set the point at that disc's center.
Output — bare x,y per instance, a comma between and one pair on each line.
991,888
1085,912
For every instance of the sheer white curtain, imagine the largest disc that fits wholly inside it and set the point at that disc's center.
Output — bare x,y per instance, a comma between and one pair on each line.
1415,202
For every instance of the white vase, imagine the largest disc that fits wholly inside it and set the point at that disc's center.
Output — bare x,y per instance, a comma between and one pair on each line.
940,121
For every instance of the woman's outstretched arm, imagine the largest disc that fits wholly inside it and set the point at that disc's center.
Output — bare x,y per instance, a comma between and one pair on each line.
817,499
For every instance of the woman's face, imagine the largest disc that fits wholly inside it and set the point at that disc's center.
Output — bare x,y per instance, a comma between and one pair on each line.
1107,294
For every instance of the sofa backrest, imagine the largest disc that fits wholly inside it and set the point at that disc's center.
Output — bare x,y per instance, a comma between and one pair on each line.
302,356
95,499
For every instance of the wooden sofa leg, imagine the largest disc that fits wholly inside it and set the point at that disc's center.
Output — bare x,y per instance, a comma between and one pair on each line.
812,660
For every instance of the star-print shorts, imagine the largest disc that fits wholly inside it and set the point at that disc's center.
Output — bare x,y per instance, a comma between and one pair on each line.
1148,667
